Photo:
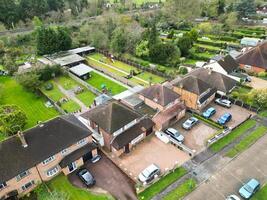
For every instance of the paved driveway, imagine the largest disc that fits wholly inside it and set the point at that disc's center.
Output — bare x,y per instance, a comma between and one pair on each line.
250,164
258,83
109,178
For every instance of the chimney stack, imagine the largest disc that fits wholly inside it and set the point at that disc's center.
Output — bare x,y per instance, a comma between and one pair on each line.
22,139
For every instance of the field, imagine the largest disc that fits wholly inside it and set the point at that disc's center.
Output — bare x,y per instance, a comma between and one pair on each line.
31,104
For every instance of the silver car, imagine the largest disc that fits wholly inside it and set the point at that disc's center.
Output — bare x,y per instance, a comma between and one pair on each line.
232,197
223,102
175,134
189,123
148,174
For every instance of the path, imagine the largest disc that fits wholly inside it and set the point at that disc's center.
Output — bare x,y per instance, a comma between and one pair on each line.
71,95
119,70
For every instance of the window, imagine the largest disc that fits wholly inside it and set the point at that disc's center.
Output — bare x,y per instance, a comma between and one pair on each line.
22,175
64,151
2,185
82,142
52,171
27,185
48,160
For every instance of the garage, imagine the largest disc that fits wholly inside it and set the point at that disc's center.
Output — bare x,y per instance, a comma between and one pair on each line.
87,156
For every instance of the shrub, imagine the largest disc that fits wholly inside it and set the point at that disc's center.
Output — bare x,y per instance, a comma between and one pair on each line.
161,69
262,74
183,70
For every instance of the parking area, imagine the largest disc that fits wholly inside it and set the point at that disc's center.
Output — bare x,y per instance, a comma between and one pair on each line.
258,83
196,137
152,150
250,164
108,178
238,113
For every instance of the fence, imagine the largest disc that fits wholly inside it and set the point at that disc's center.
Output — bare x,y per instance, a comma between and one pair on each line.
239,103
88,86
138,66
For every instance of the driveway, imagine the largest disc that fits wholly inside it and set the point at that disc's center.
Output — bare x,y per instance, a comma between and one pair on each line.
250,164
258,83
196,137
238,113
109,178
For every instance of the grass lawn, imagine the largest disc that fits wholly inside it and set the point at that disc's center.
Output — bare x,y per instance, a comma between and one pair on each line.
61,183
97,80
164,182
220,144
55,94
86,97
181,191
31,104
247,141
67,83
70,106
261,194
263,113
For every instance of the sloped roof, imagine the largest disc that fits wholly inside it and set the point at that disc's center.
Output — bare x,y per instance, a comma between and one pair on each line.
43,141
228,64
256,56
160,94
111,116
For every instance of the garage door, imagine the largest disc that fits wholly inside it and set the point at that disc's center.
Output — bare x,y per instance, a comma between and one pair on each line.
87,157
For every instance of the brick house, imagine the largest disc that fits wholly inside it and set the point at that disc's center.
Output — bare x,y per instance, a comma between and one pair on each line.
169,105
194,92
120,126
60,145
254,59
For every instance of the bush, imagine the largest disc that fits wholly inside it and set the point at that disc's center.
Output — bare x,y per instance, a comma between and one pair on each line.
161,69
262,74
183,70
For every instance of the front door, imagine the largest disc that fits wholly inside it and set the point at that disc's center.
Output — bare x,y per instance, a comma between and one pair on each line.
127,148
72,167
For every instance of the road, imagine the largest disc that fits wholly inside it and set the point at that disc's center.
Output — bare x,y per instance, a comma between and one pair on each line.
250,164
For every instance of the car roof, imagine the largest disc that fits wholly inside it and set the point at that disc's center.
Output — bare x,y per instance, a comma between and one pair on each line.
152,167
226,114
172,130
253,183
211,109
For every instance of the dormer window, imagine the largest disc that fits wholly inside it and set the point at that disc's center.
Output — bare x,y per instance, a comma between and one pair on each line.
22,175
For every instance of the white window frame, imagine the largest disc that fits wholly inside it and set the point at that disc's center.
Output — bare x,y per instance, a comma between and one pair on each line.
82,142
24,188
3,186
22,175
48,160
53,171
65,151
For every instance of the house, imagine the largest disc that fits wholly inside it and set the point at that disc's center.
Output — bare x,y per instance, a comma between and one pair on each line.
254,59
252,42
120,126
170,108
225,65
60,145
195,92
221,82
82,71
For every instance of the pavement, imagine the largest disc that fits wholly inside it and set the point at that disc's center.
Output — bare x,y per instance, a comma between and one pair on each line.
258,83
250,164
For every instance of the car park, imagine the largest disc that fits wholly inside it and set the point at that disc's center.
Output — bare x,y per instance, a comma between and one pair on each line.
175,134
86,177
148,174
249,188
209,112
232,197
224,118
223,102
189,123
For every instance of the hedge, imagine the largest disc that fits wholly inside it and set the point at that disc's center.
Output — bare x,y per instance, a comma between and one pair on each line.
209,121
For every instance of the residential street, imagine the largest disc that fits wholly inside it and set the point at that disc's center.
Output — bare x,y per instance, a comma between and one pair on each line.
250,164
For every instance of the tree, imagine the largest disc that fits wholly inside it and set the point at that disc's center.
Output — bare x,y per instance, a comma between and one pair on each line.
205,27
56,5
118,41
31,8
142,49
29,80
221,6
9,13
185,44
259,96
231,19
12,119
193,34
246,8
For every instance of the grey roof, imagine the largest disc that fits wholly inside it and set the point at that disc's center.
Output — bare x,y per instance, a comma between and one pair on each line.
228,64
103,98
65,58
111,116
160,94
81,69
43,141
82,49
219,81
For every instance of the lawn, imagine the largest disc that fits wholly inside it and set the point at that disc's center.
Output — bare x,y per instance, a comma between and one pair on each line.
220,144
164,182
96,80
181,191
31,104
247,141
67,83
55,94
261,194
86,97
263,113
70,106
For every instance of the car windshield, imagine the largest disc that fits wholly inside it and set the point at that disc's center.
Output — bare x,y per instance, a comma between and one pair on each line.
209,110
248,188
146,173
87,176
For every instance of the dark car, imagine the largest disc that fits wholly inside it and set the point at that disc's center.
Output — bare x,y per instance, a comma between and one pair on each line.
86,177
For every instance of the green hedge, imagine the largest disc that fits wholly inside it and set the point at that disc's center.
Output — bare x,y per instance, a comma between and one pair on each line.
208,121
212,43
212,49
222,38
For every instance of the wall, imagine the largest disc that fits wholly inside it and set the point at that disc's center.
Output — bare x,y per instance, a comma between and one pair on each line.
204,104
151,103
189,98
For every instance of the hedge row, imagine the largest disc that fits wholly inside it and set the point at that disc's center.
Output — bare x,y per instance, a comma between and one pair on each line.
212,43
211,49
208,121
222,37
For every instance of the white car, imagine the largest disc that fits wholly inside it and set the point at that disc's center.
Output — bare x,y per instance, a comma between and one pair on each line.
148,174
175,134
189,123
223,102
232,197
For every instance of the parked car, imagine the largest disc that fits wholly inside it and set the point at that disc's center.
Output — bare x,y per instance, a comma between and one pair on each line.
148,174
86,177
250,188
223,102
96,158
209,112
224,119
232,197
189,123
175,134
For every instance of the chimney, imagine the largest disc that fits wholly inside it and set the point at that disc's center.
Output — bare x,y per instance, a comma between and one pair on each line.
22,139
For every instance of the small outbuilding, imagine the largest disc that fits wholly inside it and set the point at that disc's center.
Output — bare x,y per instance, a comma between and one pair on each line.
82,71
83,50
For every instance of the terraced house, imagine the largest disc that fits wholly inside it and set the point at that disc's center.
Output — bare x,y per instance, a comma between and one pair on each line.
60,145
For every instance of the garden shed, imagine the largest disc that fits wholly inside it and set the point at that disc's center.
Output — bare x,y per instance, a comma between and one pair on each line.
82,71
